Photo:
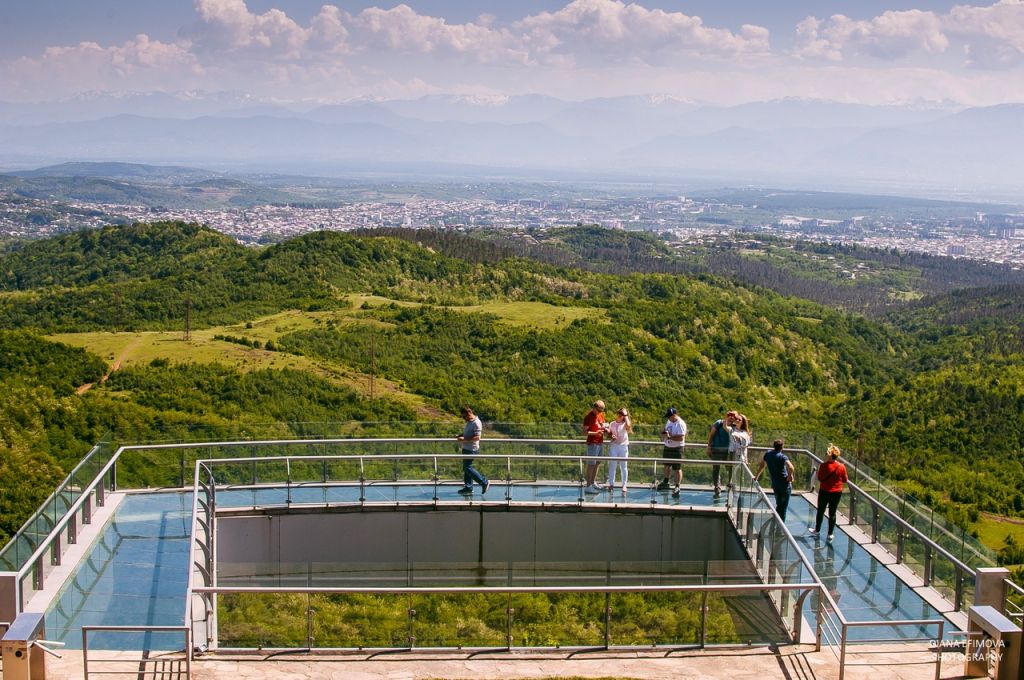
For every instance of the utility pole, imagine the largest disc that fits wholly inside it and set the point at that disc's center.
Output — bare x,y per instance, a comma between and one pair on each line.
188,318
118,312
373,363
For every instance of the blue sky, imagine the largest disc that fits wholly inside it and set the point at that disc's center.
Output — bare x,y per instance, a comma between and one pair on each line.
870,51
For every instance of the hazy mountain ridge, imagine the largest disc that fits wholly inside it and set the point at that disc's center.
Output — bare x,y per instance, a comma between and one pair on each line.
800,141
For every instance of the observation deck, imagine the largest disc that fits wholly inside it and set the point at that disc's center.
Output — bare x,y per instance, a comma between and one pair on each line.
180,556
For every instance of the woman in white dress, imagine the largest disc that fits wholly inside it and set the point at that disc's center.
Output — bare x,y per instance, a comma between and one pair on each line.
618,451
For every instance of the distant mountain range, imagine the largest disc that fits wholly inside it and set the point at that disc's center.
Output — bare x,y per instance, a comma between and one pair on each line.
815,144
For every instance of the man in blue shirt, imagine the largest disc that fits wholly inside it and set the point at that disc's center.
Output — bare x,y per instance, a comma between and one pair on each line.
470,439
780,471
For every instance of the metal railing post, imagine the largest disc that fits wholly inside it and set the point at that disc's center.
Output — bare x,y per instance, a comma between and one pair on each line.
938,651
927,576
85,652
819,623
509,613
874,523
437,477
288,481
362,480
899,544
101,496
412,622
508,479
853,507
607,619
73,529
55,551
842,654
704,620
309,622
958,590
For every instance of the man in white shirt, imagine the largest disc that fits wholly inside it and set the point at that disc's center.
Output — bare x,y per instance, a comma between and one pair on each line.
674,436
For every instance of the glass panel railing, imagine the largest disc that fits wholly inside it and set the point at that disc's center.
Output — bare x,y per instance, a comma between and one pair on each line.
263,620
40,531
360,620
460,620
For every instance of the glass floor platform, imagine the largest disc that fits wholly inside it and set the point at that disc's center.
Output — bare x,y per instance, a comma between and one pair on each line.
136,572
864,589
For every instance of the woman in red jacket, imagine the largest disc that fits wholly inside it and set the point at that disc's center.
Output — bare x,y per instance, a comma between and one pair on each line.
831,476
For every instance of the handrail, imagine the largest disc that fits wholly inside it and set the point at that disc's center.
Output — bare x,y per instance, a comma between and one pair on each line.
52,497
459,456
474,590
72,511
902,522
1007,602
137,671
192,553
46,543
861,470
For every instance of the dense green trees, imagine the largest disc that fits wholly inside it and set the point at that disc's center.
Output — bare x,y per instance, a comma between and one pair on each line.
930,395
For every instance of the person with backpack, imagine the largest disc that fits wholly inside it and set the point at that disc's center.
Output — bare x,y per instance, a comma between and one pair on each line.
718,447
831,477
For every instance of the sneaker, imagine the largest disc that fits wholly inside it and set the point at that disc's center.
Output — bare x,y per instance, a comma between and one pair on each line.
718,491
812,531
664,486
829,539
591,489
466,491
623,488
487,485
675,492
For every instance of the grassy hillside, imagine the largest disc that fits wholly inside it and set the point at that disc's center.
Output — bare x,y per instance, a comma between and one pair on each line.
931,396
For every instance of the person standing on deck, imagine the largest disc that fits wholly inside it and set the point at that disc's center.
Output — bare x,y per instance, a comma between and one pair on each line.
470,439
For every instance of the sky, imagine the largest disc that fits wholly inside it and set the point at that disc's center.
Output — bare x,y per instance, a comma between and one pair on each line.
707,51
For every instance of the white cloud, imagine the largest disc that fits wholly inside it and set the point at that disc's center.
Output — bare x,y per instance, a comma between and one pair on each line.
402,29
585,48
994,35
990,36
615,31
229,26
89,65
890,35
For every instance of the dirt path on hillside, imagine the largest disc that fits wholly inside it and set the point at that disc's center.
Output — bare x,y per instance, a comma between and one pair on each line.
1001,519
118,360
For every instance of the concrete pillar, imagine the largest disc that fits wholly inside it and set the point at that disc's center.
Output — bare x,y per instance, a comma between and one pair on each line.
990,588
9,604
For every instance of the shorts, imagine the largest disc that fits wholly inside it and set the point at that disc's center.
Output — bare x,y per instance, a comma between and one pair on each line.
593,450
676,453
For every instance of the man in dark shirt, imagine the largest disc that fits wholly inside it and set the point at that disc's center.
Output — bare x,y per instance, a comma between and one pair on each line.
780,471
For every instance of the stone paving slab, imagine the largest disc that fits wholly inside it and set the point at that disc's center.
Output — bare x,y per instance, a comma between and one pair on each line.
791,663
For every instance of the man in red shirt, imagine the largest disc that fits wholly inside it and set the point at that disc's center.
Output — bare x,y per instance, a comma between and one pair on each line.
594,427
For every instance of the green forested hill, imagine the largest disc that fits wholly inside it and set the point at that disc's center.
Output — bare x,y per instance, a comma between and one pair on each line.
931,395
